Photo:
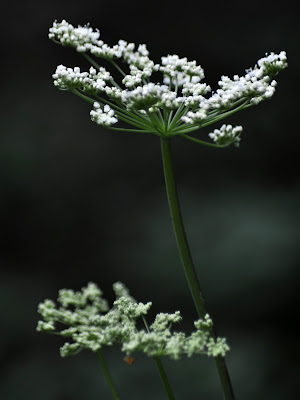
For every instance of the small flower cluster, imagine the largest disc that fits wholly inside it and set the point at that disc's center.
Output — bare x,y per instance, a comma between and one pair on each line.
72,78
86,319
82,37
179,71
105,116
178,106
227,135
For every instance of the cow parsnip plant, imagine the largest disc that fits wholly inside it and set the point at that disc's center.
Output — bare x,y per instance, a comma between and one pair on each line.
179,105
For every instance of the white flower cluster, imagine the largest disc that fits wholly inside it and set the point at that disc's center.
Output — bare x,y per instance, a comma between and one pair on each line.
122,291
272,63
196,117
179,70
160,341
81,37
72,78
194,95
86,319
137,76
132,309
179,105
85,39
257,85
144,97
227,134
103,116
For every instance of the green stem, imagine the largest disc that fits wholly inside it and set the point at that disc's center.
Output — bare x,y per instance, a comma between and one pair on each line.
117,67
226,114
107,375
211,119
186,257
219,146
130,130
164,378
176,117
91,61
161,369
84,97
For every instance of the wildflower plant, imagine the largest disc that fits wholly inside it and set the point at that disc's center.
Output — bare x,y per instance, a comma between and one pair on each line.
165,99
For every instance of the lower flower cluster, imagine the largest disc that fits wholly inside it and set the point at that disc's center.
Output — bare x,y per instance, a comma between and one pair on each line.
85,318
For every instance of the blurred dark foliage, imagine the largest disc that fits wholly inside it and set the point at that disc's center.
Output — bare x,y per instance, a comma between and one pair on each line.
80,203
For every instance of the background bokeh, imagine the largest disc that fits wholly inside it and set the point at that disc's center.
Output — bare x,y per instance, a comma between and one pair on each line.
80,203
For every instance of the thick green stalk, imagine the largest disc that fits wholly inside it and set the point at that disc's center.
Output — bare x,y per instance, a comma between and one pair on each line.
186,257
107,375
164,378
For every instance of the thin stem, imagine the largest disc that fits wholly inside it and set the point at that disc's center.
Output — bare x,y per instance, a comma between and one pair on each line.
130,130
120,115
162,119
154,121
117,67
133,116
227,113
178,226
145,323
219,146
158,120
131,121
166,117
170,118
186,257
164,378
176,117
97,66
107,375
161,370
91,61
83,96
116,85
188,128
127,119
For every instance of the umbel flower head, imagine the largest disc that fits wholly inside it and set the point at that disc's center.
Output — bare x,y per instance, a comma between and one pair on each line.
178,105
84,317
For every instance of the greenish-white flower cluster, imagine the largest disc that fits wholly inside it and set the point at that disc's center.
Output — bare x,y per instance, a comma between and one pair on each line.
179,105
86,320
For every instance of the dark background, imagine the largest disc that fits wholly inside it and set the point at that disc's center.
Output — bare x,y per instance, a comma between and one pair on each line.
80,203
